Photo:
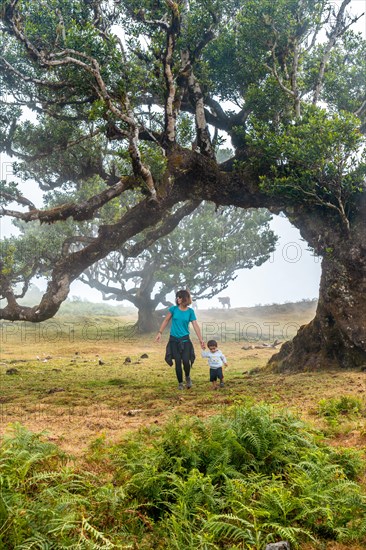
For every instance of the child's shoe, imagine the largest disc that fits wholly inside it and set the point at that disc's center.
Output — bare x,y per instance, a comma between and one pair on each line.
222,385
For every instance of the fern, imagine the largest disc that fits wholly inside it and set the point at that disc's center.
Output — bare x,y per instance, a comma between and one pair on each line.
86,527
291,534
238,480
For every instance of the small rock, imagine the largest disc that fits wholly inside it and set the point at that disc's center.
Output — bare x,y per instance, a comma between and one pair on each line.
276,343
100,362
133,412
144,356
256,370
128,360
12,371
282,545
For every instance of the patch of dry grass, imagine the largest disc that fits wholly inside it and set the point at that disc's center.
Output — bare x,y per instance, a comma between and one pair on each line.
60,385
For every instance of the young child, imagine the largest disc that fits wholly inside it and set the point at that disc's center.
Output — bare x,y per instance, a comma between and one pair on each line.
216,359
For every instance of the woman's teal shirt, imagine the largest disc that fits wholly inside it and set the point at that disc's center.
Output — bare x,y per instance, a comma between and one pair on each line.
180,321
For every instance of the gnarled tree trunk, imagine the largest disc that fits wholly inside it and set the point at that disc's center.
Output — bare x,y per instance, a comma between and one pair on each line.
337,334
148,320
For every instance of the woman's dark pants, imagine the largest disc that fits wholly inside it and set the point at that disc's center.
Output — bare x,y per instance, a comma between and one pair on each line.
181,354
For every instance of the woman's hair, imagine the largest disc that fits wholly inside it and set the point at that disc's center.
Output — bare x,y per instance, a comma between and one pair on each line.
186,297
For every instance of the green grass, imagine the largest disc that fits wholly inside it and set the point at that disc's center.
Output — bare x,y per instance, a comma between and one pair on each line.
59,394
86,408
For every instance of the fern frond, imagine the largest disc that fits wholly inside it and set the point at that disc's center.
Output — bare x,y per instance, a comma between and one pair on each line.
97,535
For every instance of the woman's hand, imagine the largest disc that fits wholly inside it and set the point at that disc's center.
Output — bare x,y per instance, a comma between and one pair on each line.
162,326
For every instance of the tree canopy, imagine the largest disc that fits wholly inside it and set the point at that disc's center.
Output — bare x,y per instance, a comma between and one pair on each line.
203,253
133,99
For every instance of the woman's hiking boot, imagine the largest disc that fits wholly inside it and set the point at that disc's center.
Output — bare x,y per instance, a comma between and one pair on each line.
188,382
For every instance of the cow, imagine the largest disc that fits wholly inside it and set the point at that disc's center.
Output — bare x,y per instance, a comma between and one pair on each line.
225,301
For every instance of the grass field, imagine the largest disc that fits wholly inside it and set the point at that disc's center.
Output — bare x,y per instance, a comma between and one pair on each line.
58,384
69,377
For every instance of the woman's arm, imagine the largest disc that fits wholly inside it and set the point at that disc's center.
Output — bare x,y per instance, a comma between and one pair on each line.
163,325
198,332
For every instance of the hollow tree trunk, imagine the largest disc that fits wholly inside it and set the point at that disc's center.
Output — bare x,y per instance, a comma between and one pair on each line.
337,334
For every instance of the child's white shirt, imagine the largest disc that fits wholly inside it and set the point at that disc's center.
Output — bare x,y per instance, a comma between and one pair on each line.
216,359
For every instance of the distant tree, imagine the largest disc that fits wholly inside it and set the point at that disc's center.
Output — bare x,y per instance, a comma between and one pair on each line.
203,253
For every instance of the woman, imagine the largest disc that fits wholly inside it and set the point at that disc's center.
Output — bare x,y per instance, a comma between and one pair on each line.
180,347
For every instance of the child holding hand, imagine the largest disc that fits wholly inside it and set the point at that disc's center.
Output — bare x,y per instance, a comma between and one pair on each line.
216,360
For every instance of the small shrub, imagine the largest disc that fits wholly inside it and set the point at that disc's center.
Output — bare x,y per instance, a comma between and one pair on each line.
346,405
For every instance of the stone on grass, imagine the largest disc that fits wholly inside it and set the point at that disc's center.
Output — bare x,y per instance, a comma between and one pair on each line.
282,545
133,412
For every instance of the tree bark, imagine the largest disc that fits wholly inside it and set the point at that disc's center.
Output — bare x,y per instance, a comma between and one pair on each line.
336,337
147,321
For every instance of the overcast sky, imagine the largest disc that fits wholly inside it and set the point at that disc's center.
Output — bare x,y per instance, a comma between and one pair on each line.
291,274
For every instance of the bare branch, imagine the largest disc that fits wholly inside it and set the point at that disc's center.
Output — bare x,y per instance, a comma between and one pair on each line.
140,169
38,156
361,110
159,23
170,111
38,81
19,199
196,97
110,237
169,223
77,239
80,211
273,70
70,56
208,36
338,30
